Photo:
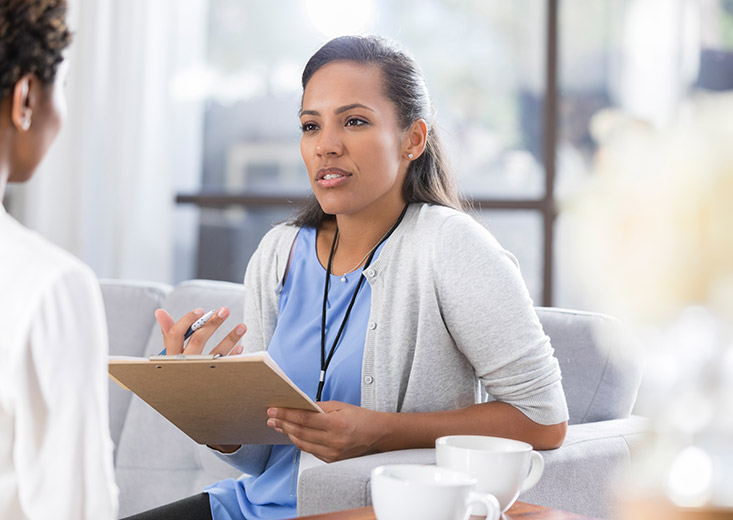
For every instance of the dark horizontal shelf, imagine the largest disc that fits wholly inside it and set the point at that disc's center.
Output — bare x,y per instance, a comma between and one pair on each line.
224,199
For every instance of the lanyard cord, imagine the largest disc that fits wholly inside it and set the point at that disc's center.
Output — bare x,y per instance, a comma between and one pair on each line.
325,361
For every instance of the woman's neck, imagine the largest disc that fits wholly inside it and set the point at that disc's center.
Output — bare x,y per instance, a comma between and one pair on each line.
357,237
362,232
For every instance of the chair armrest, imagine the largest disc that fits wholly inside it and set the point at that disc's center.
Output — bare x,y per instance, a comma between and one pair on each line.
129,307
345,484
577,476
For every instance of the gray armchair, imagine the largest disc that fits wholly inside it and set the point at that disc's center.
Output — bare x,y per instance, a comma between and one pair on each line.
155,463
600,377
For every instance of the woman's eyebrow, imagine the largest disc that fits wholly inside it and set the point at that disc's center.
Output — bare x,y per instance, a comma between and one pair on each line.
346,108
339,110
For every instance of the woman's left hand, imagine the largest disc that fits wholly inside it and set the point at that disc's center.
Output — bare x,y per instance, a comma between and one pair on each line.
343,432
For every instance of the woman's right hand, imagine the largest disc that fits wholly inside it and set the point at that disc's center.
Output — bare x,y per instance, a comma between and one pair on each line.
173,339
174,331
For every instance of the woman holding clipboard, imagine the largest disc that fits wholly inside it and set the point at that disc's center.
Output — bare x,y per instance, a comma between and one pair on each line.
381,299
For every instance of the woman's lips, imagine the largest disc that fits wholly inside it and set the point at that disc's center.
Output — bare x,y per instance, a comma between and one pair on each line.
332,177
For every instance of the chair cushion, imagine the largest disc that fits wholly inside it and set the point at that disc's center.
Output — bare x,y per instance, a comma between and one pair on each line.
129,307
156,462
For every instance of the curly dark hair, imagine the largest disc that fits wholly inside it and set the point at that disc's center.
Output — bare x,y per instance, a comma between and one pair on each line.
33,36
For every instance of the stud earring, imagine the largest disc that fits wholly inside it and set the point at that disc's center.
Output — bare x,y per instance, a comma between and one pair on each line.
410,156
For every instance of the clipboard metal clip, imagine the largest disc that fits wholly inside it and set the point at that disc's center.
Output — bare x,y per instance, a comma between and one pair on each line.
183,357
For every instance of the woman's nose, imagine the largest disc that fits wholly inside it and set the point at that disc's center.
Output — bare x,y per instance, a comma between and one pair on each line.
329,143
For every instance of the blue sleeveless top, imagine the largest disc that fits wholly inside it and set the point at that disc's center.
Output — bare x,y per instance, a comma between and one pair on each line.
296,347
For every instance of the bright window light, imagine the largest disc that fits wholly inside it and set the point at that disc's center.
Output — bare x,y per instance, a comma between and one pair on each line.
690,478
340,17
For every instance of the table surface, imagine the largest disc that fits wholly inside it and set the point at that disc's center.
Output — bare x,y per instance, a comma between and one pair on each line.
519,511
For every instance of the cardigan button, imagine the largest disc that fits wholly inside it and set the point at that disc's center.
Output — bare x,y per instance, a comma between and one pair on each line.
372,325
370,273
368,379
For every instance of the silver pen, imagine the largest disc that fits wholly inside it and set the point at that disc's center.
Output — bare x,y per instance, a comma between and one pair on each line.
196,325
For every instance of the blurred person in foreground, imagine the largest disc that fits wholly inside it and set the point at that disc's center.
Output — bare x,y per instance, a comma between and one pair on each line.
55,446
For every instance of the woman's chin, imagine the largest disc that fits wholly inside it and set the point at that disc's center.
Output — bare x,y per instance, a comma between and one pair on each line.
333,207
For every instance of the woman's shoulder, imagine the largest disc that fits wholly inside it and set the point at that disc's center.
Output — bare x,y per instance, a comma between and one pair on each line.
35,269
444,223
34,256
458,242
435,212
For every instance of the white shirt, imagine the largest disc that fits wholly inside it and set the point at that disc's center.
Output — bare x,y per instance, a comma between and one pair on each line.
55,446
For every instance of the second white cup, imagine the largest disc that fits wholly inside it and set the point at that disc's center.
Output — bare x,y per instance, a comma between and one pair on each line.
404,491
504,467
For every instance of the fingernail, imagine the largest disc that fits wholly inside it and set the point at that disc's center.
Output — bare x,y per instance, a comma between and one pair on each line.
239,349
272,412
223,312
239,331
198,312
270,423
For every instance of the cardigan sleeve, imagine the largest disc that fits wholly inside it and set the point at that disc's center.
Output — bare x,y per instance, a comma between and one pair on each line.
491,317
254,302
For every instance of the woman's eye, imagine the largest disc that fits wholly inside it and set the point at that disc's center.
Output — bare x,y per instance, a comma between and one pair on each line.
355,121
308,127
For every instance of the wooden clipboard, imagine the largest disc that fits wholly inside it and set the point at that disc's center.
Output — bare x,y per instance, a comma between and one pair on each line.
213,400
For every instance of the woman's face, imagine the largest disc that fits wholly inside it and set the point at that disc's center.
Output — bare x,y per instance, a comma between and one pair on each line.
48,105
353,148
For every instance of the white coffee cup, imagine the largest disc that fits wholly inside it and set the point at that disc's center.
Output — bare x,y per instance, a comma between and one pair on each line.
504,467
404,491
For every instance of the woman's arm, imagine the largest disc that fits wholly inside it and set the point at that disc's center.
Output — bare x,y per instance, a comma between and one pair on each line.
495,418
487,309
347,431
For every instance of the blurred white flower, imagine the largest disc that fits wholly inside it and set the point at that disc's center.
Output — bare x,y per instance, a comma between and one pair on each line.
652,231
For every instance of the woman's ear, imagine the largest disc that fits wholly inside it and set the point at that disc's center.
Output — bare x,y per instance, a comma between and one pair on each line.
416,139
21,110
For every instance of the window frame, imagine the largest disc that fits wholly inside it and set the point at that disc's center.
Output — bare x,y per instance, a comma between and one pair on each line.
546,205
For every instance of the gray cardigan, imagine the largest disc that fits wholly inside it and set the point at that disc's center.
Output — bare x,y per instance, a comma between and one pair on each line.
451,320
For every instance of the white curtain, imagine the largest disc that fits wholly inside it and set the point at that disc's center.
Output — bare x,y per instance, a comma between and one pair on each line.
106,190
658,59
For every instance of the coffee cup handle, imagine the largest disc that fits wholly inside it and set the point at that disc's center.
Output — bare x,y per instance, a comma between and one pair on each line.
537,466
493,510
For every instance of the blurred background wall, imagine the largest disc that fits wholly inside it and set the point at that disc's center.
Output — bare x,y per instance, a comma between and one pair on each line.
181,149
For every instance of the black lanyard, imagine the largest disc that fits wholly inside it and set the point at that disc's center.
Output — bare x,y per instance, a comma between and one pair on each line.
325,361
